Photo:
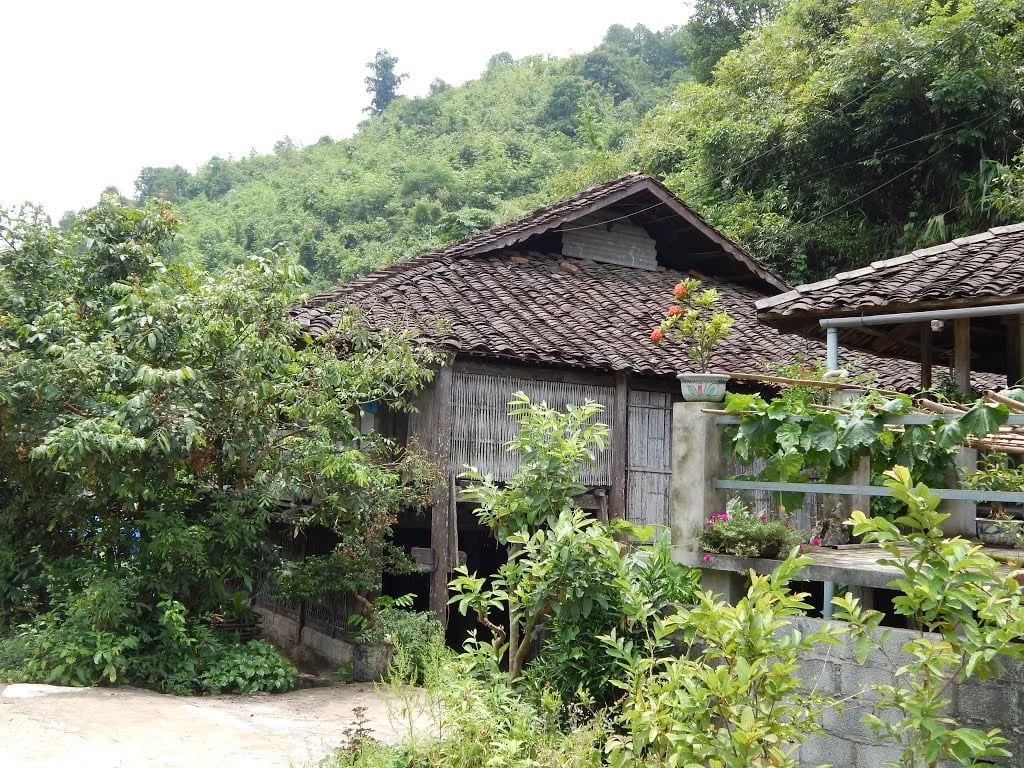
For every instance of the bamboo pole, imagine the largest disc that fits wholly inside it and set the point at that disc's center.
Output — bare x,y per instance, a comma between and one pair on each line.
804,382
1014,405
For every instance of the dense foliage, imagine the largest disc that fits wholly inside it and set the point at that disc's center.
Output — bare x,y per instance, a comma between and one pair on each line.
847,130
799,440
569,578
155,420
704,683
423,171
971,621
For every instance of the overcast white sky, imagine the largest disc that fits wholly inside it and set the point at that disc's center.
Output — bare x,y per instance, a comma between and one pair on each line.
94,91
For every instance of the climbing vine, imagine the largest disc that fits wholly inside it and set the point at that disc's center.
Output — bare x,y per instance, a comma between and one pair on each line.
799,440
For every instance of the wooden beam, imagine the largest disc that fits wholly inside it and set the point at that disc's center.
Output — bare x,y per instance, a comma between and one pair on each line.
619,446
926,356
441,511
962,353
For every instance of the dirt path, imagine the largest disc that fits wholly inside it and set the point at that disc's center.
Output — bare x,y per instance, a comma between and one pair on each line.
48,727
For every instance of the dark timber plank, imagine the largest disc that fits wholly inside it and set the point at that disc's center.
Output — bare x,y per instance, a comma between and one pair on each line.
441,512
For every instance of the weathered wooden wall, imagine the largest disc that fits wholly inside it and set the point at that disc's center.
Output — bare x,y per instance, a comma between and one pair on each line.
483,428
463,420
649,469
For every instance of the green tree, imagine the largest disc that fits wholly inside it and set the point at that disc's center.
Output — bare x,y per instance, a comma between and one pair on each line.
719,26
156,419
382,83
849,131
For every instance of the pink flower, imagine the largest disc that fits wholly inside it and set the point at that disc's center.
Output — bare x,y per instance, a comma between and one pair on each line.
763,518
800,548
815,542
786,524
707,558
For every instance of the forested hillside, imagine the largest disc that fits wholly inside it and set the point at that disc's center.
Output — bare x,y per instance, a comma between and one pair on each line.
425,171
830,134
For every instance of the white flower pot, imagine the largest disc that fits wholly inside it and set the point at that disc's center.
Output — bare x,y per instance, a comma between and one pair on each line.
703,387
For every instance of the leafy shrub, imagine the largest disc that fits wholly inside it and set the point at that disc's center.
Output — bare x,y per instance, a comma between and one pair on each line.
82,644
247,668
482,721
732,698
569,578
970,618
413,634
14,652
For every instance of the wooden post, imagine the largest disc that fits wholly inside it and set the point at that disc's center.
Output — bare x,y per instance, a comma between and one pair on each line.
962,353
619,446
441,511
1014,350
926,356
1019,350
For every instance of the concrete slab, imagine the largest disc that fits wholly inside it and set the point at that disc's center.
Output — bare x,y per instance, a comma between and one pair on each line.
131,728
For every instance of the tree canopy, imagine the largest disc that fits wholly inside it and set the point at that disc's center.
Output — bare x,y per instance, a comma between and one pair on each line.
383,82
155,419
821,134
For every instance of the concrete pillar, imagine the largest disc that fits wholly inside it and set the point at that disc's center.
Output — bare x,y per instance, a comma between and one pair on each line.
962,514
697,462
727,585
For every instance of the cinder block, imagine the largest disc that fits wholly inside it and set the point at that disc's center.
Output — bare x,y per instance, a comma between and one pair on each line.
819,676
820,750
846,725
987,704
856,680
872,756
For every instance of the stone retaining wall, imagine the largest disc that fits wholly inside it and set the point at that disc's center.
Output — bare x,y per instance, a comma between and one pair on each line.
849,743
312,647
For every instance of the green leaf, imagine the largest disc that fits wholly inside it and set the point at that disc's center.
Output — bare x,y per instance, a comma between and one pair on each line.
984,419
821,434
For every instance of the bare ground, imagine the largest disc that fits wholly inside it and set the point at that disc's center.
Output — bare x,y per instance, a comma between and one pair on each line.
49,727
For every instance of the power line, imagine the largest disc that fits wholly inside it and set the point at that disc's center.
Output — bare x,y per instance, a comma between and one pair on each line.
899,175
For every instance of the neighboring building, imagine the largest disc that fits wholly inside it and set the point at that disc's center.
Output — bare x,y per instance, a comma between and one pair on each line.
959,304
560,304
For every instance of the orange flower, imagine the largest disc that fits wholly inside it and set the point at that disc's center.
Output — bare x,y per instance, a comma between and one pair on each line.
657,335
679,291
673,311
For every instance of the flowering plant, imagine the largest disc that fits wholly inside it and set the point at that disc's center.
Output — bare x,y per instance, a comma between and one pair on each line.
742,531
695,320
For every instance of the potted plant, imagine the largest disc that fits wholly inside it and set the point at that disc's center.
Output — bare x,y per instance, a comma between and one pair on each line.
743,532
998,525
695,320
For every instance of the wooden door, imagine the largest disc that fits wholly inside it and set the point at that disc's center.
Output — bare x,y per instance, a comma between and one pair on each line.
648,466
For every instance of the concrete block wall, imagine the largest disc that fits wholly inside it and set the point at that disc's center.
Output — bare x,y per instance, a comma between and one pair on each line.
312,648
850,743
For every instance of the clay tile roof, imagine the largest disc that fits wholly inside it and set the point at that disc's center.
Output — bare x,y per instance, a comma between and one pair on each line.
495,296
987,268
509,306
600,196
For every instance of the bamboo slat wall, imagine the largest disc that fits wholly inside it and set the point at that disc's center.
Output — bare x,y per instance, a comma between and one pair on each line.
483,428
648,468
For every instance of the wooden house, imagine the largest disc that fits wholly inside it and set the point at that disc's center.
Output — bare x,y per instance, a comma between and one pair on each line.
560,304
